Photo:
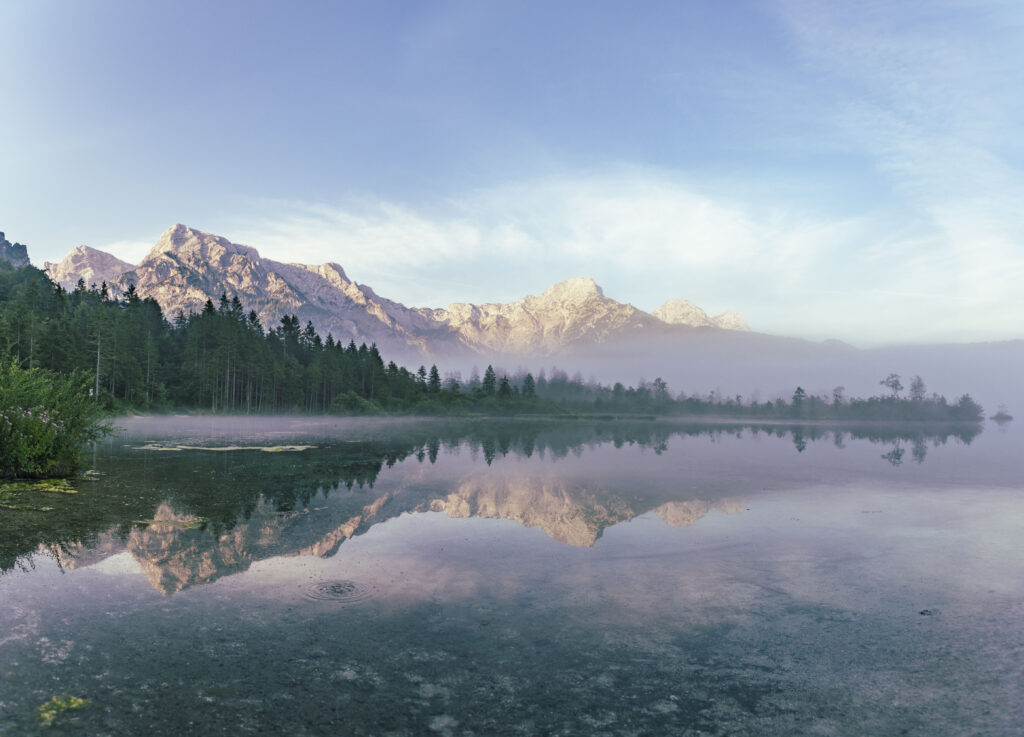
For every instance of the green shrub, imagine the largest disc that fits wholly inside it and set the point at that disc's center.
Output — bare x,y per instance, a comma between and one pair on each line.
353,404
45,419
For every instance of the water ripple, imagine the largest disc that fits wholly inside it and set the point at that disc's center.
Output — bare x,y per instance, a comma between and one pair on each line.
345,592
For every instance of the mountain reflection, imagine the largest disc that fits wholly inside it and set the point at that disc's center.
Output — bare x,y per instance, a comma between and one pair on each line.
190,517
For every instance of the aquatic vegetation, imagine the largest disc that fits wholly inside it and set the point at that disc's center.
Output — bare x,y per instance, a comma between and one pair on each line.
192,523
52,486
45,419
18,495
52,711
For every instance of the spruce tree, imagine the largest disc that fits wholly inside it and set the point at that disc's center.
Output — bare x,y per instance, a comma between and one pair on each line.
490,383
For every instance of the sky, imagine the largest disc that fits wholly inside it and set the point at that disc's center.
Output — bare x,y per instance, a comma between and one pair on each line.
832,169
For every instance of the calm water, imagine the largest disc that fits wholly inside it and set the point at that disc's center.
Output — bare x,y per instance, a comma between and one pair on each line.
522,578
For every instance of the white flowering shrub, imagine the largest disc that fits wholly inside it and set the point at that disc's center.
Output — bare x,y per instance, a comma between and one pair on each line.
45,419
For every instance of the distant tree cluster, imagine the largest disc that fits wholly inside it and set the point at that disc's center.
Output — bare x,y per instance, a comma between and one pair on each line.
223,359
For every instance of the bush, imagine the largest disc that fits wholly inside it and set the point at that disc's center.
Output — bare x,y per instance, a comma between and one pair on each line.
353,404
45,419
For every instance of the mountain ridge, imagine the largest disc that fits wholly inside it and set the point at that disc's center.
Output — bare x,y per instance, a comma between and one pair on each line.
186,267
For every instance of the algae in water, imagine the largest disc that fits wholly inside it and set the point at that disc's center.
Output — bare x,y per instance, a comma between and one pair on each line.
52,711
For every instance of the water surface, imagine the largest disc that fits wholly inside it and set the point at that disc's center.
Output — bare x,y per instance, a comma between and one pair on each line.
521,578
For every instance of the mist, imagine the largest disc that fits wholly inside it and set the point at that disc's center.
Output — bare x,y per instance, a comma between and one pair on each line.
764,367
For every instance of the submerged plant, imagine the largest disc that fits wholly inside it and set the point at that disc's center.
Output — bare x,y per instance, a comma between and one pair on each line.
51,711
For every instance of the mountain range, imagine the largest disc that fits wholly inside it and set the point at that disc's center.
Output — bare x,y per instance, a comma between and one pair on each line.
572,323
187,267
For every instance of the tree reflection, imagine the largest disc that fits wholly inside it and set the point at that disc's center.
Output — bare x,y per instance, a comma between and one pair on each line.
229,488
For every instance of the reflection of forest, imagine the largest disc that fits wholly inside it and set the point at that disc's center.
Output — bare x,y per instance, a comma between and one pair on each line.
191,517
896,436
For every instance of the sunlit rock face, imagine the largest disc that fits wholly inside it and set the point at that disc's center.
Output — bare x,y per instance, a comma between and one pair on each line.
93,267
684,312
568,313
187,267
16,254
729,321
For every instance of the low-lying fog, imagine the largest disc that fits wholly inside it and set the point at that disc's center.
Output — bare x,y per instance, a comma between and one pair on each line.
765,367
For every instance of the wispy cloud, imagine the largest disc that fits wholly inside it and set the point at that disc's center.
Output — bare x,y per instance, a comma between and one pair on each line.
620,224
931,93
647,237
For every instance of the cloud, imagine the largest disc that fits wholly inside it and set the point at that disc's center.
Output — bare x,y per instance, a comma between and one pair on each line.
647,236
628,223
132,251
930,93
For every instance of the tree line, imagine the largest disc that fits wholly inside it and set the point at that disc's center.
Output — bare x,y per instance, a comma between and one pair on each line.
223,359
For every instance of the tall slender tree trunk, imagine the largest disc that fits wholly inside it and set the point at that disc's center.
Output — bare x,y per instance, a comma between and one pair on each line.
99,343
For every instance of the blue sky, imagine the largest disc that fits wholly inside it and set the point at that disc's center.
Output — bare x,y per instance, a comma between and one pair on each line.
827,169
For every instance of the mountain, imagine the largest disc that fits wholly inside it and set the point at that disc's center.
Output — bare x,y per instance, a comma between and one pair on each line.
568,313
89,265
684,312
187,267
15,254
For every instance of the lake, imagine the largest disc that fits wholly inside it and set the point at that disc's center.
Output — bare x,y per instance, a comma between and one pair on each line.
307,576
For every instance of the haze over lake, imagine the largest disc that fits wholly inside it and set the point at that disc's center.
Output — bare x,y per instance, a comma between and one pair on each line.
320,576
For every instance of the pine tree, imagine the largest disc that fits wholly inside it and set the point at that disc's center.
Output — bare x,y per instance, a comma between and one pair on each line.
490,382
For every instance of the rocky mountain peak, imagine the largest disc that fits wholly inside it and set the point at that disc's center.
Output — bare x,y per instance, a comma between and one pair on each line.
684,312
15,254
194,247
580,289
88,264
730,321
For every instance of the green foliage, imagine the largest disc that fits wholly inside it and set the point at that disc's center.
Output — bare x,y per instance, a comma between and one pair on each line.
45,419
529,387
353,404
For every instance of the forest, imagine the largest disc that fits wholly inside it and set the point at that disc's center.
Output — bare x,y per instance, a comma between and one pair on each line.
223,360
